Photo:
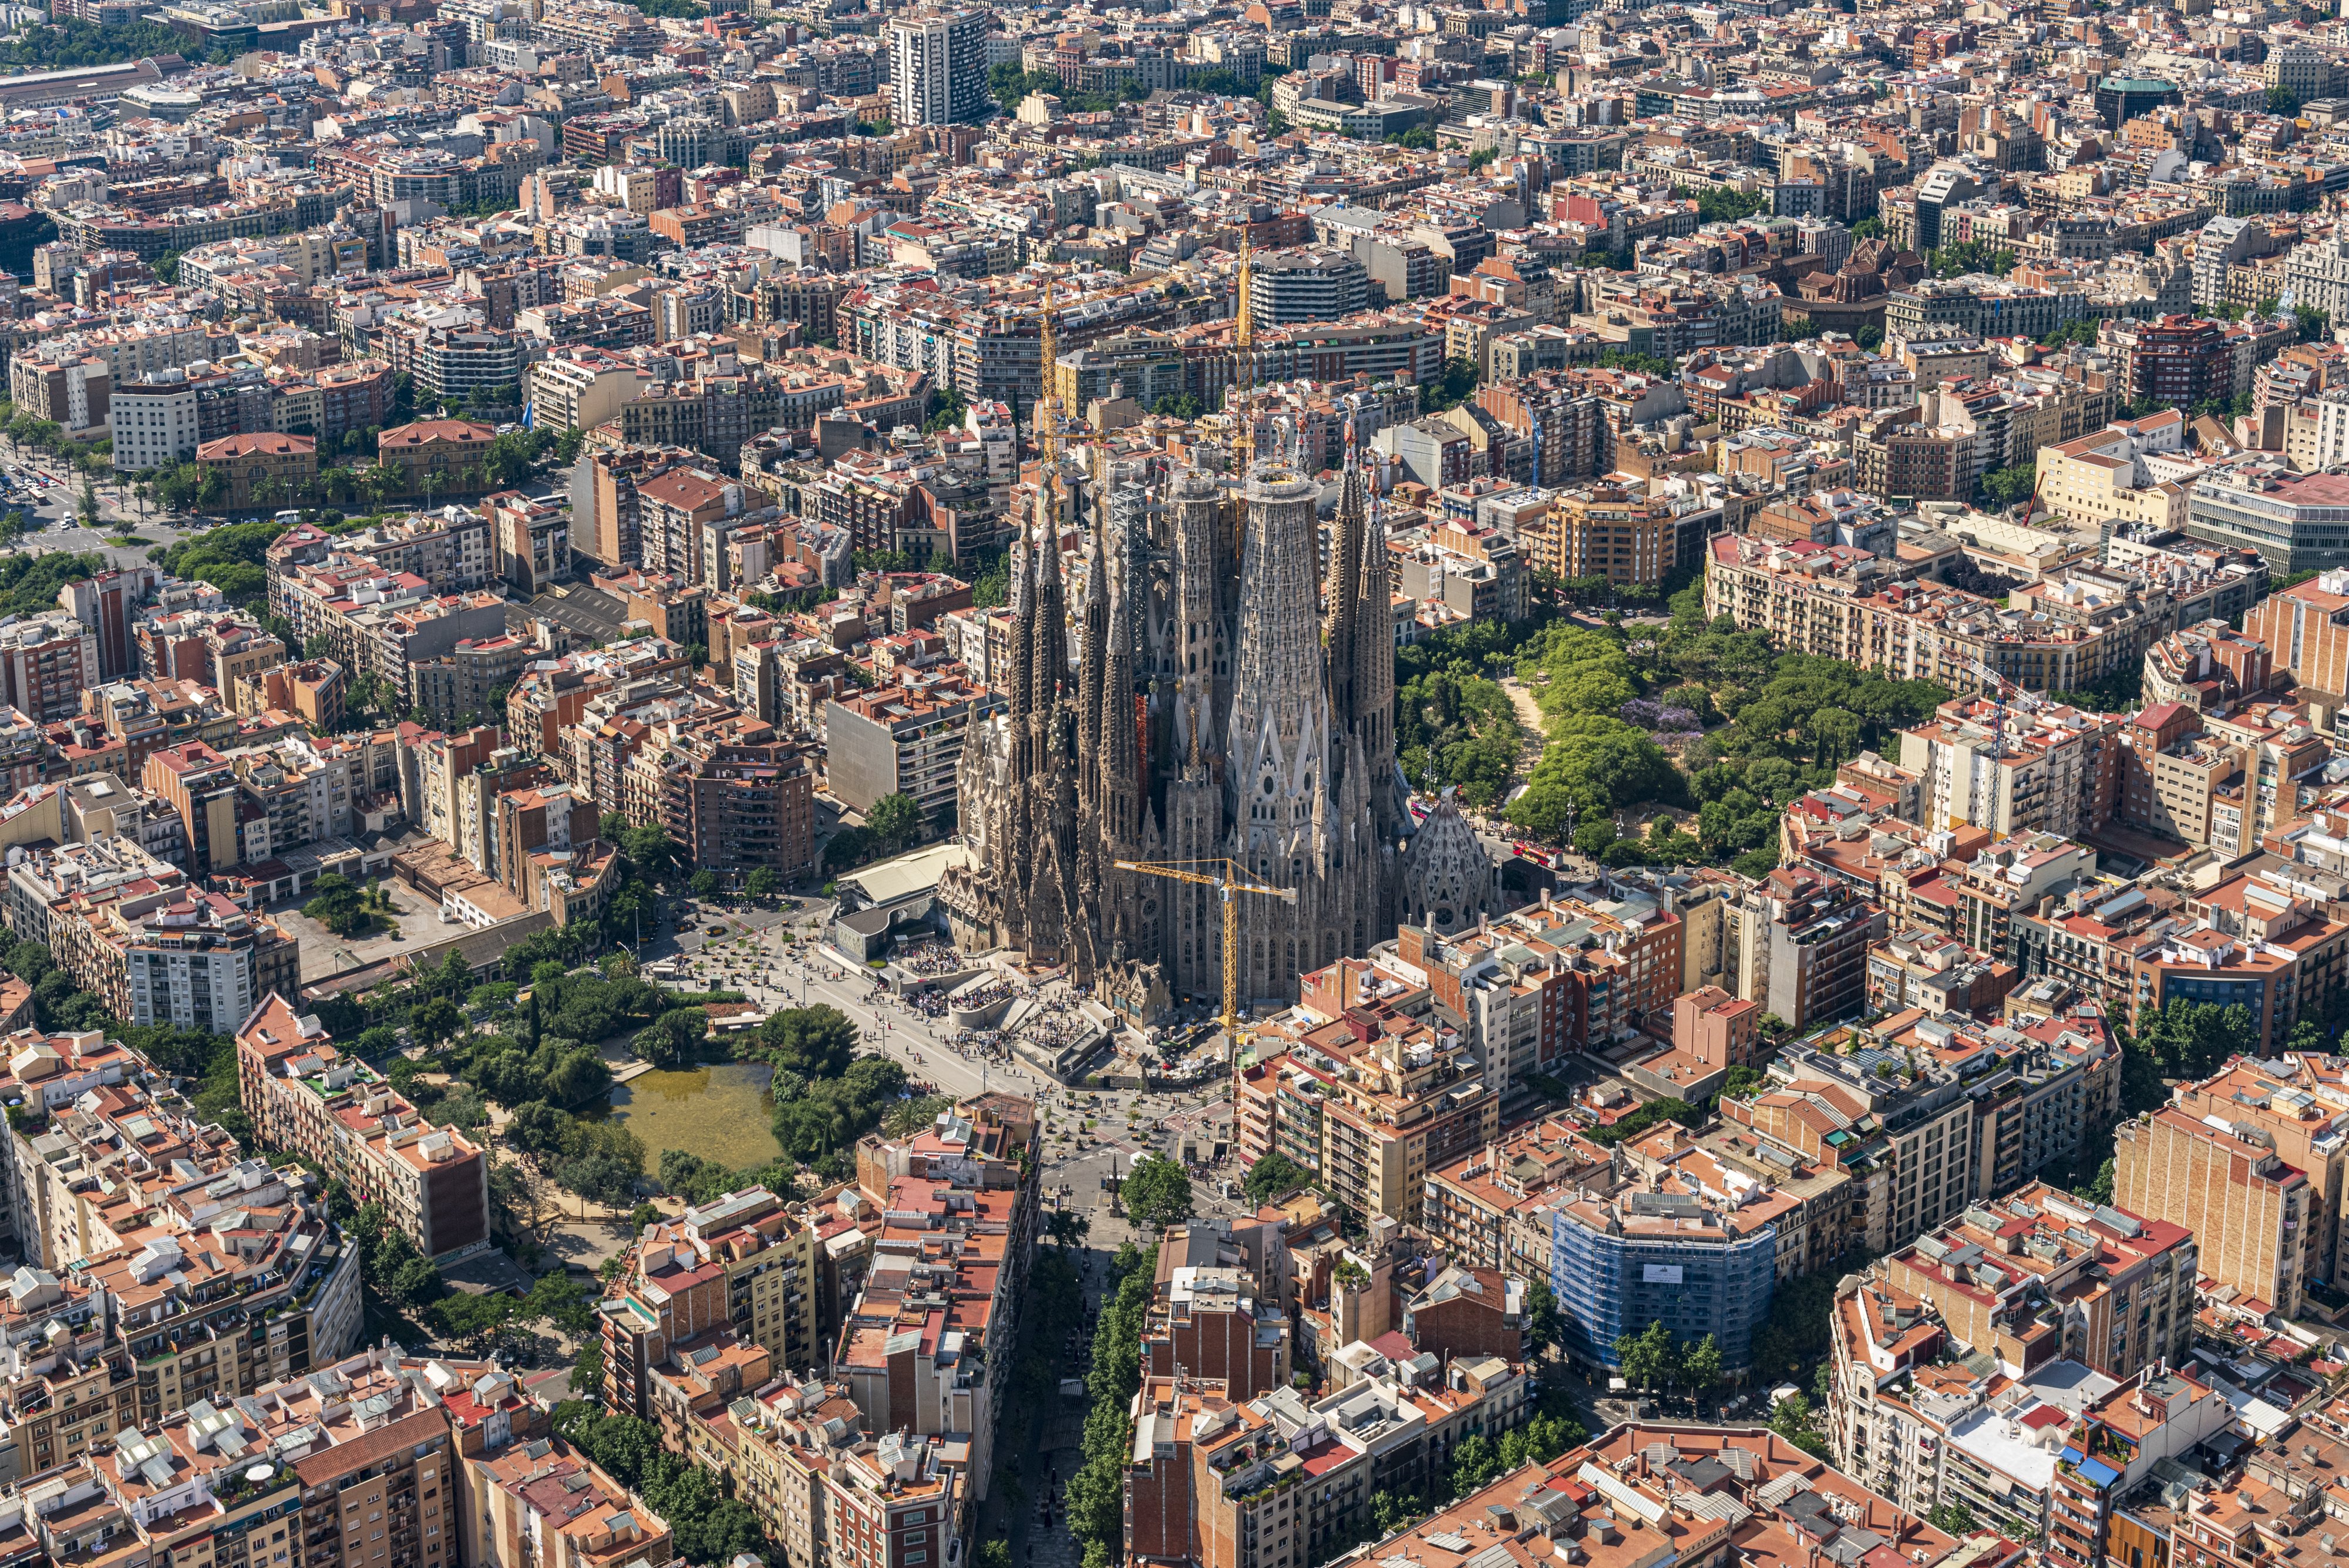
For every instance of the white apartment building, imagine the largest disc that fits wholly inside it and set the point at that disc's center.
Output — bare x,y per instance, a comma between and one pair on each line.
133,352
937,67
2318,275
154,422
581,388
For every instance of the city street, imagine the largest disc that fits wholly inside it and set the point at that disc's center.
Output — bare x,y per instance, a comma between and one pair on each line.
1034,1464
51,512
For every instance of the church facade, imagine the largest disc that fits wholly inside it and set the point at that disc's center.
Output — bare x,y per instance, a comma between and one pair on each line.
1226,698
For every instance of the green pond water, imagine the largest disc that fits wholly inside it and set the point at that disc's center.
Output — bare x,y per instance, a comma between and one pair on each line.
719,1112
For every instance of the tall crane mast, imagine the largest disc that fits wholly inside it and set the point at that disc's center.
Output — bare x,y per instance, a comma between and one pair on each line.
1229,879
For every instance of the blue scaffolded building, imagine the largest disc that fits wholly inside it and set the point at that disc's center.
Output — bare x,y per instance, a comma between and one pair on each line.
1618,1264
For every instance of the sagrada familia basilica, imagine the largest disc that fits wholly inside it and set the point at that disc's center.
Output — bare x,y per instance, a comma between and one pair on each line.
1225,699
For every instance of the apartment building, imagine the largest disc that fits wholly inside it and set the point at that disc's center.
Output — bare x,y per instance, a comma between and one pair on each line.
582,386
458,684
304,1094
47,662
1935,974
2251,1214
2038,1276
607,503
1694,1249
1590,967
1912,1156
1490,1208
215,648
383,625
61,384
378,1429
1370,1102
907,739
830,1493
2159,1415
896,1501
734,797
1822,1208
1895,1393
778,1445
313,690
2257,947
2305,628
1281,1476
541,1504
959,1204
2206,665
1929,1421
530,542
61,1397
111,602
2015,768
2039,1087
740,1268
45,876
123,722
110,1180
544,818
1801,944
2281,754
1515,1011
1837,602
1211,1315
2300,1106
56,1072
196,963
451,548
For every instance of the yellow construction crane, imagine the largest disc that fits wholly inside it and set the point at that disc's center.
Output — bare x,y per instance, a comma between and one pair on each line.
1228,879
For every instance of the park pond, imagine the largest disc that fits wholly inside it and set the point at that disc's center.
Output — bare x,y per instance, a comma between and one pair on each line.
720,1112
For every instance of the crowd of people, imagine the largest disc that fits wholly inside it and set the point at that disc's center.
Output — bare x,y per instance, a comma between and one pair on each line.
986,995
928,958
1059,1023
983,1045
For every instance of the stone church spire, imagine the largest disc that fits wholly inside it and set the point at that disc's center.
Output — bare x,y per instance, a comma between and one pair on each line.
1278,743
1374,685
1339,597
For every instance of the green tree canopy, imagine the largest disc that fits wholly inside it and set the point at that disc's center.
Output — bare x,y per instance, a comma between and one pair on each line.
1156,1191
2005,486
896,821
1271,1176
1646,1359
